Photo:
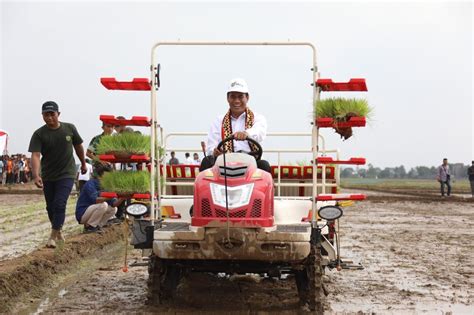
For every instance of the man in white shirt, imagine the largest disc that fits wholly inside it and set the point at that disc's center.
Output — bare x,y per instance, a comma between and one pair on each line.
196,160
239,121
444,177
188,159
83,178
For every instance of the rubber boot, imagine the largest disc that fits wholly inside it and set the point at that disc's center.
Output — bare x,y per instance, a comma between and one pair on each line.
52,239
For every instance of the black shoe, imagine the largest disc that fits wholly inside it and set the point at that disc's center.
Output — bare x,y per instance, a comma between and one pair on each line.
114,221
92,229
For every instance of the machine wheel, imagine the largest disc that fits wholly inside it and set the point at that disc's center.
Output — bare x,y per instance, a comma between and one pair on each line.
163,280
309,282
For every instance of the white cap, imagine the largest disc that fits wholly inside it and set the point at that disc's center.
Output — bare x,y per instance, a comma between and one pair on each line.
238,85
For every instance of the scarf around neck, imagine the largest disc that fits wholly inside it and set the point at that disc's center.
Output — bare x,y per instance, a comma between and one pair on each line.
226,130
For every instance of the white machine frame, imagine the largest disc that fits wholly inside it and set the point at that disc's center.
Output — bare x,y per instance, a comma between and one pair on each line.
156,128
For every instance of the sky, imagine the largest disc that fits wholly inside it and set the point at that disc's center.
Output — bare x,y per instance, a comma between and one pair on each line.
415,56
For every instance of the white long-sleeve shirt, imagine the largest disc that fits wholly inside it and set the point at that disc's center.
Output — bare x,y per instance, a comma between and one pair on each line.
258,132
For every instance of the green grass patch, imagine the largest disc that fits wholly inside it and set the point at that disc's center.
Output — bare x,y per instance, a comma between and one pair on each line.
459,186
126,182
339,108
129,142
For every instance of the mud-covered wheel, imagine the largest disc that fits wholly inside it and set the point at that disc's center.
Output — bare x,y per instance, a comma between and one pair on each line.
163,279
309,282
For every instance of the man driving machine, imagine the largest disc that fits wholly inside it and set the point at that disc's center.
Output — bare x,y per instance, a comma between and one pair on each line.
239,122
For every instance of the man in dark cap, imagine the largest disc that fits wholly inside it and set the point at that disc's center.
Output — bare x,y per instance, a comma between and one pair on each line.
55,172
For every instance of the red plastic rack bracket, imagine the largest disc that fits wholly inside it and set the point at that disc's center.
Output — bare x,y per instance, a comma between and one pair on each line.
108,195
134,121
326,122
354,85
330,160
132,159
117,195
137,84
141,196
332,197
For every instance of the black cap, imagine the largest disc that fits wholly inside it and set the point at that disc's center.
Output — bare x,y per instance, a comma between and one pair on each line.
49,106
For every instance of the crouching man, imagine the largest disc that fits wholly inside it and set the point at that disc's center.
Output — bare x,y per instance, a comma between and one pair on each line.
91,210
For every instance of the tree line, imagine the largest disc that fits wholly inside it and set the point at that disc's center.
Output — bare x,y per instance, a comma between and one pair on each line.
458,170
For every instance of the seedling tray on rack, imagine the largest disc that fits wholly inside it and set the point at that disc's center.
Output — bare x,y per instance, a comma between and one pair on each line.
134,121
327,122
354,85
330,160
125,195
136,158
330,197
137,84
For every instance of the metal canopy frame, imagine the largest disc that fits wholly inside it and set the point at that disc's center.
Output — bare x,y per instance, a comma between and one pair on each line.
154,172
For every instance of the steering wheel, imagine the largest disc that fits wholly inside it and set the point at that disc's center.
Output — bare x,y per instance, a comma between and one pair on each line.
257,154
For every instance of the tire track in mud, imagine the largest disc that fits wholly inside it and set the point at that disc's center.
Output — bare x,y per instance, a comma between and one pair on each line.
24,228
29,276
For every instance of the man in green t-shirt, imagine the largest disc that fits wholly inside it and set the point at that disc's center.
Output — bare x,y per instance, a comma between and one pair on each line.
92,148
54,143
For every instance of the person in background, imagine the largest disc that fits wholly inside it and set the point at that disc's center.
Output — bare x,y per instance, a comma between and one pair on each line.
16,169
1,170
107,129
470,174
196,160
53,165
444,177
122,128
91,210
173,160
27,170
82,179
21,165
10,175
188,159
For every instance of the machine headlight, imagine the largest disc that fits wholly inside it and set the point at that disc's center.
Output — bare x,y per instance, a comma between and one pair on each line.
330,213
237,196
136,209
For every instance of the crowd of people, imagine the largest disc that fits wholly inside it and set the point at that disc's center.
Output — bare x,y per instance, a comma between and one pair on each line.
187,159
15,169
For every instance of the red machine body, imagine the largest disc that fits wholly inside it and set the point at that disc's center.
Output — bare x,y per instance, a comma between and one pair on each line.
258,212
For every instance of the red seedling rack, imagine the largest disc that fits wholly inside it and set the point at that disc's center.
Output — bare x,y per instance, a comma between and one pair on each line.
331,197
330,160
326,122
134,121
137,84
354,85
118,195
143,158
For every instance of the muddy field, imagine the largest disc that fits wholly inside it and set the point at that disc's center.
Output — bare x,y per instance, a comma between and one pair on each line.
417,253
24,224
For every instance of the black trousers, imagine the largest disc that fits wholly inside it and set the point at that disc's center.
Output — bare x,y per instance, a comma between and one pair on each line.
56,193
448,184
209,161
